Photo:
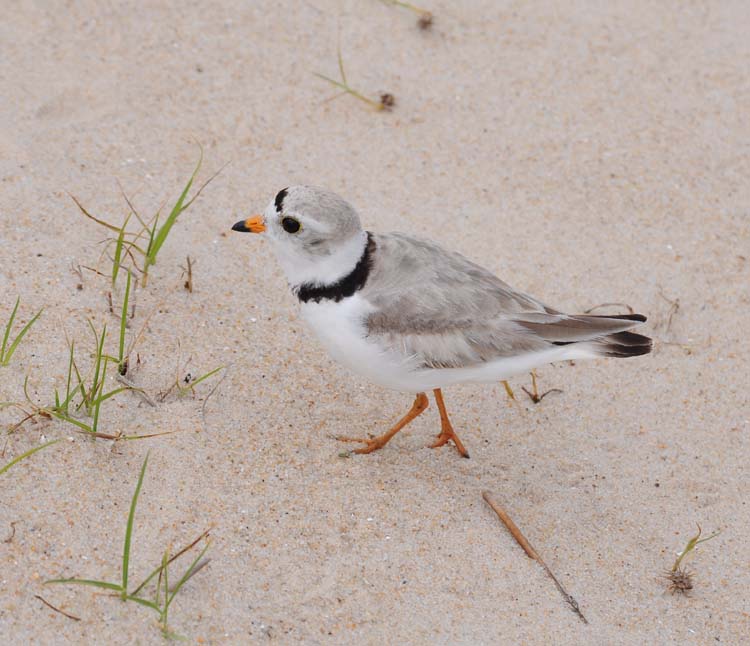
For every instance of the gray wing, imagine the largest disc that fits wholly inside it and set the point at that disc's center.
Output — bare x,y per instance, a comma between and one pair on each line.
441,309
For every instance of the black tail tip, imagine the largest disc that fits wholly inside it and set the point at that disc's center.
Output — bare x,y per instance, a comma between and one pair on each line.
624,352
626,344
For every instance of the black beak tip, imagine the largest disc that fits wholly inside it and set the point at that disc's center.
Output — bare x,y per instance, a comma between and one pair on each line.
240,226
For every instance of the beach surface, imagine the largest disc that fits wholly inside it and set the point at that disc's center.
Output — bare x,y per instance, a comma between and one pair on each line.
585,152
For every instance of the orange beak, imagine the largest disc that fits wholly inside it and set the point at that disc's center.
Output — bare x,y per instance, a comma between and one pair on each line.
251,225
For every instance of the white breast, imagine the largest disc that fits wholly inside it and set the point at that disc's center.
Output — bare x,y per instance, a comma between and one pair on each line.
340,328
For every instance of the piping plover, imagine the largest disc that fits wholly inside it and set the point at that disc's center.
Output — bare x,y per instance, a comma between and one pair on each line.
412,316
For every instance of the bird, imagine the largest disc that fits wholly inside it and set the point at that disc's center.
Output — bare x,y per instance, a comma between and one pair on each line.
409,315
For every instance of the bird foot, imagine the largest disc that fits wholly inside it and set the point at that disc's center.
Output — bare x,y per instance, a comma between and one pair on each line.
370,443
445,436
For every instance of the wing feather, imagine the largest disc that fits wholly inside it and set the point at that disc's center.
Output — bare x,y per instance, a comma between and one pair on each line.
441,310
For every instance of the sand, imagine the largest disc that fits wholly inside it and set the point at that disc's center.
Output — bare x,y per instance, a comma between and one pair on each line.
586,152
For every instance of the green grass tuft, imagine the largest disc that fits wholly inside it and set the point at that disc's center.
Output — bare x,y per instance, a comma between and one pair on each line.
7,350
84,395
163,594
130,244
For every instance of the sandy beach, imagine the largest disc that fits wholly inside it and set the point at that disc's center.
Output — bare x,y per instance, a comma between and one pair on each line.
585,152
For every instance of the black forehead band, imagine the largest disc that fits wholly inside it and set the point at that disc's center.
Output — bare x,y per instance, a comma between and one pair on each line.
279,201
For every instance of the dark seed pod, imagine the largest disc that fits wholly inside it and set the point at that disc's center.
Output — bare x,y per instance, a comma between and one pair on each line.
680,581
387,100
425,20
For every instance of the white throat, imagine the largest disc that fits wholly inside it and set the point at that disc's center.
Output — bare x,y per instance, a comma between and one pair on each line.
317,270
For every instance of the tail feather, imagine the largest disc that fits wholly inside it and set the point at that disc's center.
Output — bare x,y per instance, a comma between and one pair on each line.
623,344
562,329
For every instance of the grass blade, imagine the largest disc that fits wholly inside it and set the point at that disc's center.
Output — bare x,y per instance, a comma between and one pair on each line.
152,234
341,62
692,544
129,531
100,398
171,560
123,325
97,584
194,571
112,393
178,208
339,84
165,572
65,417
7,329
7,352
118,252
195,382
349,90
143,602
188,573
96,384
26,455
69,394
109,226
126,438
20,336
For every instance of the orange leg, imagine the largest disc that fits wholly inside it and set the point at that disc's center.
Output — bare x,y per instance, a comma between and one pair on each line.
446,432
373,444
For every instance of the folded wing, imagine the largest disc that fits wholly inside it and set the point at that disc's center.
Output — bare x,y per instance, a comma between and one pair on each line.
440,310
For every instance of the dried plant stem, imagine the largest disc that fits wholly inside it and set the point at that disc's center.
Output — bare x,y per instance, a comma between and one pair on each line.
213,390
378,105
386,100
12,532
62,612
138,391
534,395
530,551
623,305
674,307
423,13
409,6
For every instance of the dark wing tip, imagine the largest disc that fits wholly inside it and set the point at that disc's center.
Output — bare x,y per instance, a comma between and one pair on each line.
627,317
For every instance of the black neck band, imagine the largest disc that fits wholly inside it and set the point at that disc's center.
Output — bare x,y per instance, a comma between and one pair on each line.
346,286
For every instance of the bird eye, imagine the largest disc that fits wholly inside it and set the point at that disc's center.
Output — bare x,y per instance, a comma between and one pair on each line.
290,225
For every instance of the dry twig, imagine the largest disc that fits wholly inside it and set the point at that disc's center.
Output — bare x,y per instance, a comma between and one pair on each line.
137,390
213,390
674,306
530,551
534,395
10,538
596,307
62,612
188,284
